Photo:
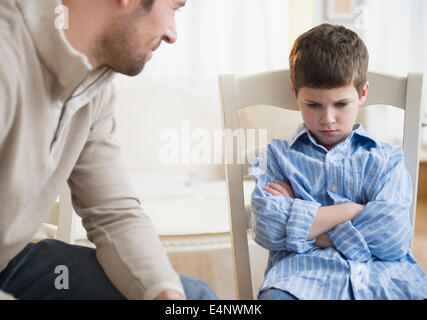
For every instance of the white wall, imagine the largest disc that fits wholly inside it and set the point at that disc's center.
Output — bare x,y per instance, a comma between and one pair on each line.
243,37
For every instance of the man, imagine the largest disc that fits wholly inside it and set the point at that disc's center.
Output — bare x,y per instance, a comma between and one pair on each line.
57,125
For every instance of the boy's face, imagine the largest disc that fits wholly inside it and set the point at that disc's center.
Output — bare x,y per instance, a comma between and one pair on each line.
330,114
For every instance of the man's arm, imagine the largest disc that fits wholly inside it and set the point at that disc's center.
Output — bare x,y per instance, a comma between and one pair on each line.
9,84
128,247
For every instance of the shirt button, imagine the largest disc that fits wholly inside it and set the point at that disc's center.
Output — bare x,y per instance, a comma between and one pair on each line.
334,188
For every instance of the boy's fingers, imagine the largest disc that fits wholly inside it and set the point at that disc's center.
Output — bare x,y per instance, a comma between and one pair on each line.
281,183
276,186
286,186
272,191
277,190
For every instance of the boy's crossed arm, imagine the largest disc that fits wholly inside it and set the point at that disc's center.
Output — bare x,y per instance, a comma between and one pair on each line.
327,217
381,228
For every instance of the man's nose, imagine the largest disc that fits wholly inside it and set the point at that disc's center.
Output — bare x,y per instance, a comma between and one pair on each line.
170,35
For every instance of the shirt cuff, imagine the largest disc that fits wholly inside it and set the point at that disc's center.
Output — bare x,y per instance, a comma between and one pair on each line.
299,224
350,242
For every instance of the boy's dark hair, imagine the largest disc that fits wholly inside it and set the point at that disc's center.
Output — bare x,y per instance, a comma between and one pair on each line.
147,4
328,56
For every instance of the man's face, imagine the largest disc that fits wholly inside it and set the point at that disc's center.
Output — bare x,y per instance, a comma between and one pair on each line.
130,41
330,114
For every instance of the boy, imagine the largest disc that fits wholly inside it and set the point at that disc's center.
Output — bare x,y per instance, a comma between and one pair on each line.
332,204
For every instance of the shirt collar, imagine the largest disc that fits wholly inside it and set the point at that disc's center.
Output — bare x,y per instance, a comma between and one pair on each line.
358,132
300,132
362,133
66,63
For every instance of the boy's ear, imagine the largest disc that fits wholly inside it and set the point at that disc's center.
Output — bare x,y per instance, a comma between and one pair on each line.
364,93
293,91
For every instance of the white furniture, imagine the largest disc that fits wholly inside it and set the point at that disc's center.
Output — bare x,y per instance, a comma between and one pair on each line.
274,89
62,222
66,218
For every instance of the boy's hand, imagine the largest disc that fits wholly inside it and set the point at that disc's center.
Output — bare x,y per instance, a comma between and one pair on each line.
280,189
323,241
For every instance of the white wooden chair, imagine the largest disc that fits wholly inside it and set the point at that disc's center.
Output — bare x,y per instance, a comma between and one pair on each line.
62,221
274,88
66,217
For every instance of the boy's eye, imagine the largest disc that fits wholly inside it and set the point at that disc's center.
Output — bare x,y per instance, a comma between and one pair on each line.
313,105
341,104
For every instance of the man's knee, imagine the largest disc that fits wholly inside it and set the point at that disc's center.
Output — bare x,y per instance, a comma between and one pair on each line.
78,267
196,289
87,279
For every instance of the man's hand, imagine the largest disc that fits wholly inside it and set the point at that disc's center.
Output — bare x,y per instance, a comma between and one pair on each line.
280,189
170,295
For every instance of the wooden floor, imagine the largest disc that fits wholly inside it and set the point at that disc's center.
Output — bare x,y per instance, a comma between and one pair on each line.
419,246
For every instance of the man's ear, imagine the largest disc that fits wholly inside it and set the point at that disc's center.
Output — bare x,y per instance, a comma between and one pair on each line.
125,3
364,93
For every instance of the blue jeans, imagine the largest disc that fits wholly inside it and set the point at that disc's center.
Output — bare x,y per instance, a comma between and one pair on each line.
276,294
31,275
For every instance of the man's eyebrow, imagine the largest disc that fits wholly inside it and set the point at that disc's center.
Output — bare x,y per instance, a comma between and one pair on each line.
181,3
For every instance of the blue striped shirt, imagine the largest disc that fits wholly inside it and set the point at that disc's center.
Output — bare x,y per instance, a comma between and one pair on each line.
371,258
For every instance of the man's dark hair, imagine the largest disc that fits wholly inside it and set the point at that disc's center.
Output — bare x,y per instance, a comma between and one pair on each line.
328,56
147,4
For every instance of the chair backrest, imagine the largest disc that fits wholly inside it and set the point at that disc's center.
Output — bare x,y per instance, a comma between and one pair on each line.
274,88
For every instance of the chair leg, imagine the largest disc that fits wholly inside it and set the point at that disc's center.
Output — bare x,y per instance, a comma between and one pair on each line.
66,218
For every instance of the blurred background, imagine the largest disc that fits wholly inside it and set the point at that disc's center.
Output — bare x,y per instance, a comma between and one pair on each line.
248,36
177,95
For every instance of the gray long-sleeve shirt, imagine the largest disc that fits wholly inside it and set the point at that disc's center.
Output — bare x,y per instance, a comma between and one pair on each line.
57,125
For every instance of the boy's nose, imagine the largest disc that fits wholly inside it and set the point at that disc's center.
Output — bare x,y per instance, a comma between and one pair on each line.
327,117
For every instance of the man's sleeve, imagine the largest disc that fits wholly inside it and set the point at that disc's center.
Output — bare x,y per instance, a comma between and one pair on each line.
9,87
383,227
128,247
279,222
